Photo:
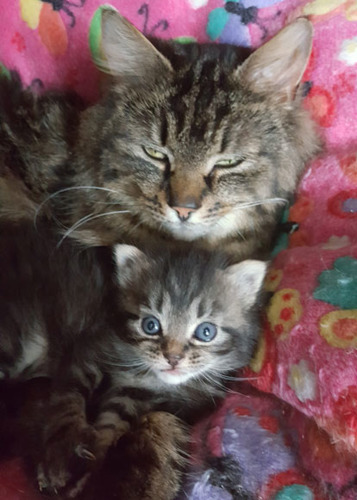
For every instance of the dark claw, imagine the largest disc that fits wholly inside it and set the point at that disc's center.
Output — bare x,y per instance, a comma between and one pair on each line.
82,452
48,491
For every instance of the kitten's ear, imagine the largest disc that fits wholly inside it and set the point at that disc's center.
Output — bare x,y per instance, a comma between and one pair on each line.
130,263
247,279
277,67
126,53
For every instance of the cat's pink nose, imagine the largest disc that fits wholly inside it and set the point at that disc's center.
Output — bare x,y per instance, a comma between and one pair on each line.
184,212
173,359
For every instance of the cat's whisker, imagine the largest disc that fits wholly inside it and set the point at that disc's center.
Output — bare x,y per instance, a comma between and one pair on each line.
261,202
135,227
220,222
64,190
84,220
74,227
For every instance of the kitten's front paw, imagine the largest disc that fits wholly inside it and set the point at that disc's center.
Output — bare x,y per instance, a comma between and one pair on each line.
68,461
146,463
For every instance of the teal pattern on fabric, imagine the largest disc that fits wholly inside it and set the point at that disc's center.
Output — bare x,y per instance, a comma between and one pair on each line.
4,71
295,492
338,286
217,20
282,240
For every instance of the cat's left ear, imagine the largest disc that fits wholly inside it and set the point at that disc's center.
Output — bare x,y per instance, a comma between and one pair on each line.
276,68
130,263
247,278
126,53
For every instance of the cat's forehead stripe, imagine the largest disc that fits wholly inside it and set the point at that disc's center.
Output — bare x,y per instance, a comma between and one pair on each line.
196,98
164,128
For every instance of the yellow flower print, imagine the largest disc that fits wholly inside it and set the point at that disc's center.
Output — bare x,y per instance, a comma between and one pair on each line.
284,311
339,328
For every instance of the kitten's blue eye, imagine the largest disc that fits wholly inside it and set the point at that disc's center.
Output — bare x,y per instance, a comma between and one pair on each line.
151,325
205,332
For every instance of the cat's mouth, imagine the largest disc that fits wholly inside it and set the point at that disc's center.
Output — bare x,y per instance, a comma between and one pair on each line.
199,225
173,376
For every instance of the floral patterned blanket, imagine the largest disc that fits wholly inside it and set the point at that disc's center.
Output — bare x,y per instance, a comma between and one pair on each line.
299,441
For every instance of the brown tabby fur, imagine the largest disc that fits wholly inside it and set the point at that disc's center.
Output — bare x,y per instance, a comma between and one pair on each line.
77,316
196,104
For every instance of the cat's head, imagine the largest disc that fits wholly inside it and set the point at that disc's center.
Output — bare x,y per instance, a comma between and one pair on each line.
189,315
191,140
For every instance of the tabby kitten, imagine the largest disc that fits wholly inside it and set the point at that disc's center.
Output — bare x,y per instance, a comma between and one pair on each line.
141,336
190,143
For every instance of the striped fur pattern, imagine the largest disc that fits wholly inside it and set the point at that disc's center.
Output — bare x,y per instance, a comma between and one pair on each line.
134,344
191,143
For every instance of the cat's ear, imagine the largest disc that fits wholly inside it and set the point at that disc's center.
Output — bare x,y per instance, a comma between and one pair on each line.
247,278
126,53
130,263
278,65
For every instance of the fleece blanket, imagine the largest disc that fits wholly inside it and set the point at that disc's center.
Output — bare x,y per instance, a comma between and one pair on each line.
291,432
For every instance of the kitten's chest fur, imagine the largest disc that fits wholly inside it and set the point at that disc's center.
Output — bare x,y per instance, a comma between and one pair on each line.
187,401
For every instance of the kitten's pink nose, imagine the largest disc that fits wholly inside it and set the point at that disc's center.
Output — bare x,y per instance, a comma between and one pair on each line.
184,212
173,359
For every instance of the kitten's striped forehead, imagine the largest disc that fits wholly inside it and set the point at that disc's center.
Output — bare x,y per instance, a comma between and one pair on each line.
184,287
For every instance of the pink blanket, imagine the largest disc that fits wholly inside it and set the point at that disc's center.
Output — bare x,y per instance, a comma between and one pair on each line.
308,353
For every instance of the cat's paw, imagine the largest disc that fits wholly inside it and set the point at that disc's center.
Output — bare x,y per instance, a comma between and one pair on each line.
67,461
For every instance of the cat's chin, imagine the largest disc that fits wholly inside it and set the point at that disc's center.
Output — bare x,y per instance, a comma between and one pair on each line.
187,231
195,229
173,377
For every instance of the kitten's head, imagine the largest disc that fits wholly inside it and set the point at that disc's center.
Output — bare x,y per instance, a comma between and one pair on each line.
189,315
191,140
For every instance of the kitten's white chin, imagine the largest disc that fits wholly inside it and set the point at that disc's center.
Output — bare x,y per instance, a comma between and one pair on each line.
173,377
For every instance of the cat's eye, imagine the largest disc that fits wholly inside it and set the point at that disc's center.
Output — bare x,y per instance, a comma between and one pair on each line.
151,325
229,162
155,154
205,332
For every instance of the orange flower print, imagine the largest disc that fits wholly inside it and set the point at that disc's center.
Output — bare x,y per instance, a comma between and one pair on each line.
44,16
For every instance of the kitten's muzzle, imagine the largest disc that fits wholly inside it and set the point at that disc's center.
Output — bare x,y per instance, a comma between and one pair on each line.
173,359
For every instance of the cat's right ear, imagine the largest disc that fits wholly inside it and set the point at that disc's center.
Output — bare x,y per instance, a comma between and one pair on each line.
276,68
130,263
126,53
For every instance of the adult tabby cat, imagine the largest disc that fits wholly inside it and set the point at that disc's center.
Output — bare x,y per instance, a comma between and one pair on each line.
190,143
141,336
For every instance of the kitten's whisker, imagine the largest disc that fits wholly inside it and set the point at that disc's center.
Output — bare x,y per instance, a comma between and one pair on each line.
213,381
201,379
232,391
64,190
88,218
134,364
122,365
238,379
